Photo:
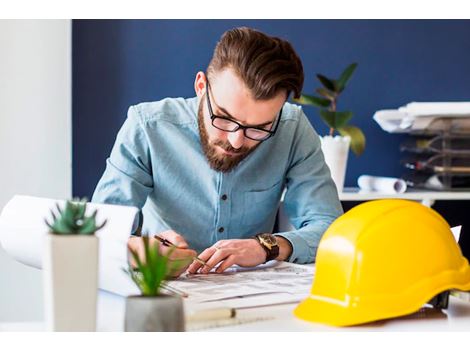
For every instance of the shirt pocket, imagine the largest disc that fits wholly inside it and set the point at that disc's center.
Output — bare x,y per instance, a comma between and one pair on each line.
261,205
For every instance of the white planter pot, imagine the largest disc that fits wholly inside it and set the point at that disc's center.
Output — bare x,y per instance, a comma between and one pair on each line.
70,273
336,150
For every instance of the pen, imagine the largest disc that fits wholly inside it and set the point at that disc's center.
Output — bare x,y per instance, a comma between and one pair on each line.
167,243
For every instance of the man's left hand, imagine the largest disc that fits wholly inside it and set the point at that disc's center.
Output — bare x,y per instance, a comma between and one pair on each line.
246,253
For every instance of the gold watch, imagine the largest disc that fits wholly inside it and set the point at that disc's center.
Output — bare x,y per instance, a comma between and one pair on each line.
269,244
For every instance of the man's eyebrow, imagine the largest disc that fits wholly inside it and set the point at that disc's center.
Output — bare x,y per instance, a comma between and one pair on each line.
241,122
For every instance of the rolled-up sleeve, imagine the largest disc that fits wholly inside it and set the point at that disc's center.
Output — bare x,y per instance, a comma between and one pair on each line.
127,179
311,199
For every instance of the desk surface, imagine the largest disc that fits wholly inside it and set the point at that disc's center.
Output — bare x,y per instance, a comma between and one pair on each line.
280,318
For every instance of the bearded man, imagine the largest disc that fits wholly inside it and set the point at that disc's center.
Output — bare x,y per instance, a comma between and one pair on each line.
208,172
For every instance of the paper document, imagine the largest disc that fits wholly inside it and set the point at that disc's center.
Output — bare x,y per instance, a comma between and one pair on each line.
22,233
272,283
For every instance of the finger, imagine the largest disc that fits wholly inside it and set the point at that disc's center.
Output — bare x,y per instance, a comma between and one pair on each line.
204,256
227,263
174,238
218,256
180,268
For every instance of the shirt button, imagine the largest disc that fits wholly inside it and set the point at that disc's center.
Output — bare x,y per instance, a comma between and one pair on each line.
221,229
224,197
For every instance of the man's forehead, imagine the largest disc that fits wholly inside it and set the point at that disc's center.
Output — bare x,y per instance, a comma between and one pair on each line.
234,99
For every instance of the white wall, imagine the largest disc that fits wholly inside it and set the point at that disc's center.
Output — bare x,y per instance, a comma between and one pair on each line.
35,138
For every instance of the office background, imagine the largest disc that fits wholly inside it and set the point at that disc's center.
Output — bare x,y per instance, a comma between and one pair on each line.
120,63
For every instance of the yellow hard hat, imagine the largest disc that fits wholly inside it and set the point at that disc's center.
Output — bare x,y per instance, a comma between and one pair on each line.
383,259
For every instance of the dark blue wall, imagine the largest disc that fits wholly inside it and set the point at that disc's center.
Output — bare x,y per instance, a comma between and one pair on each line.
119,63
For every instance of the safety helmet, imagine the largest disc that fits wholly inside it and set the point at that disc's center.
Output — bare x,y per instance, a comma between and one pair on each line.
383,259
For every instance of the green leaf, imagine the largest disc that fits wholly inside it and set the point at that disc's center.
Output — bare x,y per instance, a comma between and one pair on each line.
99,227
328,83
336,119
342,118
81,209
153,268
345,76
312,100
358,140
326,93
329,117
88,227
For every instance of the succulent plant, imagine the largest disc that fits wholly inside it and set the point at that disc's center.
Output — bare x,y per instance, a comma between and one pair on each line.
153,268
327,102
71,220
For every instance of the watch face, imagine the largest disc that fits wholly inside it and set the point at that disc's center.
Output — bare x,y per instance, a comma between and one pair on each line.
268,240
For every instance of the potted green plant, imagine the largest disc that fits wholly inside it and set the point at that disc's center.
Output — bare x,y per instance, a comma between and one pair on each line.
153,310
336,147
70,268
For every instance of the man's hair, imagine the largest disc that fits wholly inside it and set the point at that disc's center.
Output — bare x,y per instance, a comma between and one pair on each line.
267,65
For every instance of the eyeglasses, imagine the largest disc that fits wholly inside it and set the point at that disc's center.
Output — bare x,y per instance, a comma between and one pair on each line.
228,125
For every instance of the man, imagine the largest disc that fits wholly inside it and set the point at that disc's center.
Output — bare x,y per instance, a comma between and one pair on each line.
208,172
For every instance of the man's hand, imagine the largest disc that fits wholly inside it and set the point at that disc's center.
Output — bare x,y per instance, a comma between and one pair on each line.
245,253
182,253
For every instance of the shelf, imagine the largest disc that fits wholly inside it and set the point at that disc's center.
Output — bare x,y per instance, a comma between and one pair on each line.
426,197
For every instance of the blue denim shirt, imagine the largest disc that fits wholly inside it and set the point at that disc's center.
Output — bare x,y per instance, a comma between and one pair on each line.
157,164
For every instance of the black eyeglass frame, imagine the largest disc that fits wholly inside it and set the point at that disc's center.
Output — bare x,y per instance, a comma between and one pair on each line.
240,126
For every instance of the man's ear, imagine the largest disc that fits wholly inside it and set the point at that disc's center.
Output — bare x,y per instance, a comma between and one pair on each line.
200,84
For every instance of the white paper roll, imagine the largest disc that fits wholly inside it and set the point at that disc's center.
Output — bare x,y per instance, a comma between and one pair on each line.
381,184
23,230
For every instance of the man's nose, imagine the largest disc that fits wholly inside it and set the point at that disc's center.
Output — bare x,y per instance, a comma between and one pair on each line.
236,138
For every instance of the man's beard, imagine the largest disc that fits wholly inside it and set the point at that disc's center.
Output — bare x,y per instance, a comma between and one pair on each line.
218,162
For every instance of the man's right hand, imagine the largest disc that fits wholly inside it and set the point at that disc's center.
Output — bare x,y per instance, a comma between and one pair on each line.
182,253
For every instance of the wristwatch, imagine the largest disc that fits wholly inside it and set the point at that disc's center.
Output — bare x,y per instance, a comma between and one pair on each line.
269,244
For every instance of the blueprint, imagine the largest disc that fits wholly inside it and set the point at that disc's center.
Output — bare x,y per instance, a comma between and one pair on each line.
271,283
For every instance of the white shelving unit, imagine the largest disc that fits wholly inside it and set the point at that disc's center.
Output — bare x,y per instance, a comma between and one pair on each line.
354,194
425,197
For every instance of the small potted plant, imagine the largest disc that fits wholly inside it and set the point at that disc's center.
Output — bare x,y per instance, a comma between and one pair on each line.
70,268
336,148
153,310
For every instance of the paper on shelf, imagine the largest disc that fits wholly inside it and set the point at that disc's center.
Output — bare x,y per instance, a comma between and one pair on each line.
381,184
421,116
447,109
22,233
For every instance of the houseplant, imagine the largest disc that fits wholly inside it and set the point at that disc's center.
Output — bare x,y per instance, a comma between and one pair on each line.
336,148
70,268
153,310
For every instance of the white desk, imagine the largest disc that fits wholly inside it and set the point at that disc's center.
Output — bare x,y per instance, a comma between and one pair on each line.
280,318
425,197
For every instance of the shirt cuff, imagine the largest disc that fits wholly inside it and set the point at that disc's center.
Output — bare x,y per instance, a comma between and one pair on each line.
301,252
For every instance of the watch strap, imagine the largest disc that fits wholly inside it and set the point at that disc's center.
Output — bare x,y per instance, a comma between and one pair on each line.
271,253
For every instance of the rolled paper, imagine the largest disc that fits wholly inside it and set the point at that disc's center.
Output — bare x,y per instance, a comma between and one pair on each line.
23,231
381,184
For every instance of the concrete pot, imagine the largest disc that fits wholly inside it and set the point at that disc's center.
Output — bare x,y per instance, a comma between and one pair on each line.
70,274
336,150
154,313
